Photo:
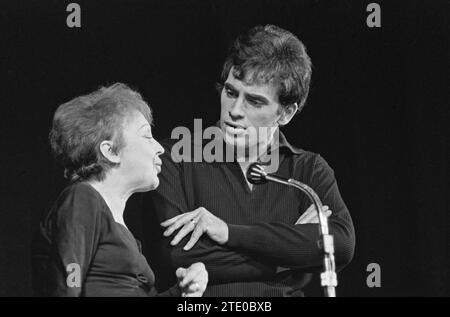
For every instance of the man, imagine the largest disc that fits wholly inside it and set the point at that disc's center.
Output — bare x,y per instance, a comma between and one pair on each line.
251,238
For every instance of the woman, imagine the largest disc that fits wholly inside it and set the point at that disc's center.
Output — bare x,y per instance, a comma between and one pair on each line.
105,144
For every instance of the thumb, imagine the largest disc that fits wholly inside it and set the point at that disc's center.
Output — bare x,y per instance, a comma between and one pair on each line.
180,272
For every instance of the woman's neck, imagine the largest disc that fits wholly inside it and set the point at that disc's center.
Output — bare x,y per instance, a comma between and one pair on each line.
115,195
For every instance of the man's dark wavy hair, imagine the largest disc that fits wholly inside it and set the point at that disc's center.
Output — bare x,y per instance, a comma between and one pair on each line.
269,54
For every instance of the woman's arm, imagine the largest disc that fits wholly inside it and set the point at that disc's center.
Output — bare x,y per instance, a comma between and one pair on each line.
74,229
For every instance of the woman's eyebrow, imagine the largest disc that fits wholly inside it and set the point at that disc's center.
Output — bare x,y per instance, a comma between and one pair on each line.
144,125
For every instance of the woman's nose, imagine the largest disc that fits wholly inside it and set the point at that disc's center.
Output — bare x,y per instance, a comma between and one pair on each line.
159,148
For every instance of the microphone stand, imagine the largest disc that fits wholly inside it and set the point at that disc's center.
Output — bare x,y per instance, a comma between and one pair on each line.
328,277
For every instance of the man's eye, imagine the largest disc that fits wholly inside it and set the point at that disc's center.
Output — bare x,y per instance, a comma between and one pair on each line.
255,103
230,93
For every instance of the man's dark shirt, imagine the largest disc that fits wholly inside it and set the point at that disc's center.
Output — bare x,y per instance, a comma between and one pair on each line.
266,254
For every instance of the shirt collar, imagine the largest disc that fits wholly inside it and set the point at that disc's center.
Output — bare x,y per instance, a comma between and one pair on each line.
285,145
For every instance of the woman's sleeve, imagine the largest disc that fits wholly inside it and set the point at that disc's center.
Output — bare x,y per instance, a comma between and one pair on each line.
75,231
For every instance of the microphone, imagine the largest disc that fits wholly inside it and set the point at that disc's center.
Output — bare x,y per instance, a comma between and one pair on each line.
256,175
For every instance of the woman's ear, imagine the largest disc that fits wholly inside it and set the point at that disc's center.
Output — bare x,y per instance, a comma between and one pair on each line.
287,114
106,147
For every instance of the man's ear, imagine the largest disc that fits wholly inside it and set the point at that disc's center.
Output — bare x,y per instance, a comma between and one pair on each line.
106,147
287,114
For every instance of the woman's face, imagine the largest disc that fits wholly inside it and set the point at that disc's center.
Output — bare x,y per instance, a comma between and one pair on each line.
139,158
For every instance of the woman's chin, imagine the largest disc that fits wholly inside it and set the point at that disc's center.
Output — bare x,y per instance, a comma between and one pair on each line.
154,185
149,186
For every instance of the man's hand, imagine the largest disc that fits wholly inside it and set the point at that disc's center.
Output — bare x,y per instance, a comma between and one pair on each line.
310,215
193,280
198,221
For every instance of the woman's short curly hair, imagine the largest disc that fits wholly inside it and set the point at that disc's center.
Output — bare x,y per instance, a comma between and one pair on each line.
271,54
80,125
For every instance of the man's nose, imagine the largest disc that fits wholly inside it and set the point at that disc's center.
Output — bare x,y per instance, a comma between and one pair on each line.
236,110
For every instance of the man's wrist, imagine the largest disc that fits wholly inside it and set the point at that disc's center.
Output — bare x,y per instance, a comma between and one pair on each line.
236,234
223,239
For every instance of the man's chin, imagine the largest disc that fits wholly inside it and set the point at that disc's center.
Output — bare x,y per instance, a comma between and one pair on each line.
240,143
235,141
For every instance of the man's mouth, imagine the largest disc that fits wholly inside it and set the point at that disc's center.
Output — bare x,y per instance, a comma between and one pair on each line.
234,128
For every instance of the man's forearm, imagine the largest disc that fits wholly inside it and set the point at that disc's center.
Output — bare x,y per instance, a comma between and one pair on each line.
223,264
292,246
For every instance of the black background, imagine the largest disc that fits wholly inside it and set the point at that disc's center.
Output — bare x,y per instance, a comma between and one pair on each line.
377,112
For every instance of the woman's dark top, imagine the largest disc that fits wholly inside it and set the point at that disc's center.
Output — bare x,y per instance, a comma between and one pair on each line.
82,251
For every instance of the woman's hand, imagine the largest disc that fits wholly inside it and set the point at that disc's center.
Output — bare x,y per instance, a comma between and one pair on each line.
193,280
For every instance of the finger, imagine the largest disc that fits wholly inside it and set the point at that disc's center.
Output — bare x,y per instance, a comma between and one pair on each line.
193,287
180,273
326,212
188,227
194,294
306,214
310,215
180,220
192,273
188,279
178,224
313,213
189,214
303,216
310,212
198,232
311,220
315,219
170,221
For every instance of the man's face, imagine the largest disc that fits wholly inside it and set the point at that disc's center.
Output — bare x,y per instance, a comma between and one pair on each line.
249,113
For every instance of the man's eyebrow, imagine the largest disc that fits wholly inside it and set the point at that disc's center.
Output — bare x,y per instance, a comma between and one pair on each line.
252,96
229,86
